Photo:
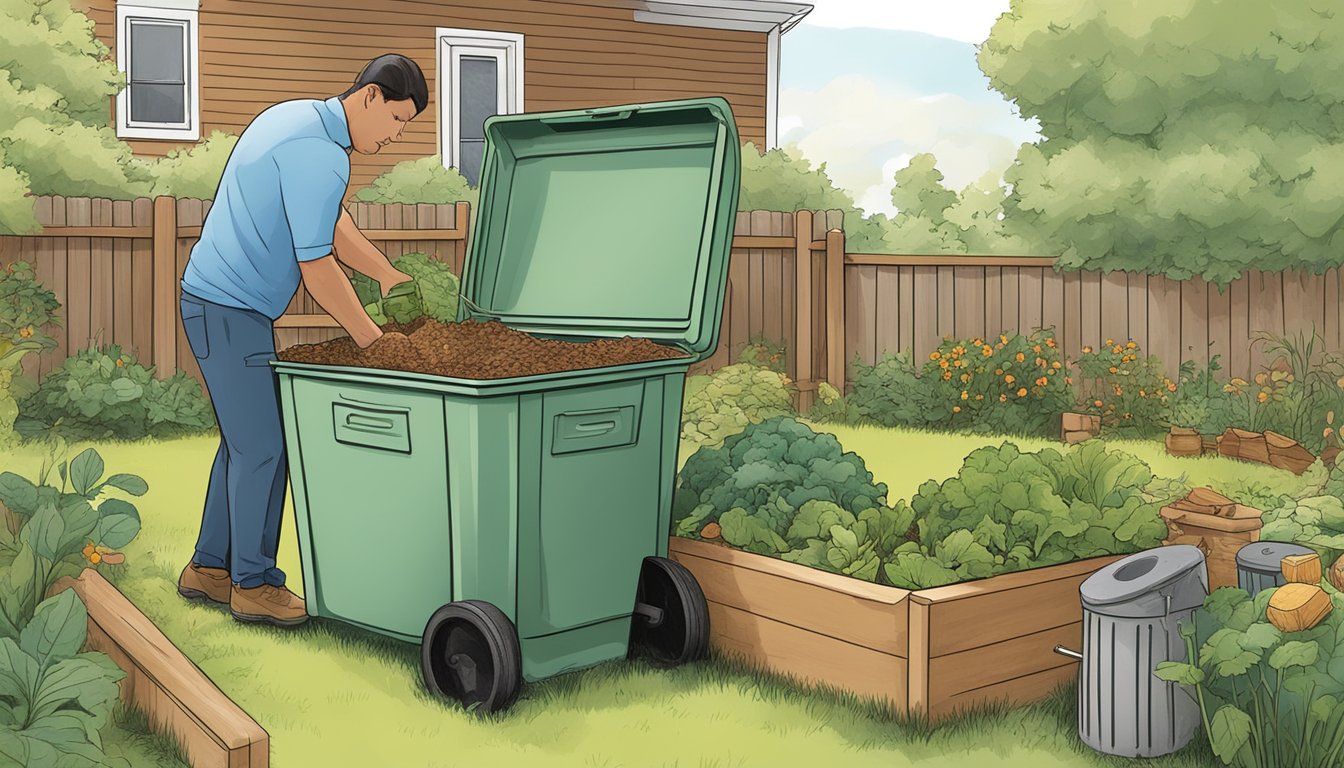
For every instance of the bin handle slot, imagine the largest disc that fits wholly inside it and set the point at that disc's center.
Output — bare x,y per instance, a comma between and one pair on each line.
361,421
592,115
596,427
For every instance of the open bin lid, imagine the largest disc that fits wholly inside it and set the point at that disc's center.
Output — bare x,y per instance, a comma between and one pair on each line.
607,222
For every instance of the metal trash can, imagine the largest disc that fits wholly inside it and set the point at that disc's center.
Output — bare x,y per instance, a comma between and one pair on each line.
1258,564
1131,611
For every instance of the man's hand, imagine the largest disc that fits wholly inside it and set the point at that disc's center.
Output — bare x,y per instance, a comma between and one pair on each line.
391,280
392,339
331,289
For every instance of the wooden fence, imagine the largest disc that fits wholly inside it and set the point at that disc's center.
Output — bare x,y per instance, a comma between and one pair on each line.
115,267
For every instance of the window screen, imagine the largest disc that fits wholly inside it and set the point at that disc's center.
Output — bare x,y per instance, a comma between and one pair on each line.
158,72
478,94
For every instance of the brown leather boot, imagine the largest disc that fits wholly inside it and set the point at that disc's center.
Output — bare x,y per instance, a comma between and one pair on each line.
267,605
197,583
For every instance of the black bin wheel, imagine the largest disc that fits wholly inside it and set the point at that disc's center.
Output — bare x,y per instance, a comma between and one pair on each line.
671,622
470,653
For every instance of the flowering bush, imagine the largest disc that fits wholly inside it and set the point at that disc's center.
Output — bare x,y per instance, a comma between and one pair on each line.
1131,393
1009,385
765,354
26,310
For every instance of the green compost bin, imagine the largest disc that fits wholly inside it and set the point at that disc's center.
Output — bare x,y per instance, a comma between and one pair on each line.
529,516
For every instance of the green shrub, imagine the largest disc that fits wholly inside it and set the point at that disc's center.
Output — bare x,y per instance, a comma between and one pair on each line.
830,406
1268,698
889,393
764,353
1131,393
436,284
192,172
419,181
26,311
103,393
54,699
734,397
1007,511
780,180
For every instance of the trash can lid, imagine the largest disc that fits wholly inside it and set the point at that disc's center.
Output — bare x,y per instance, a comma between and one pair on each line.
1265,556
1142,574
607,222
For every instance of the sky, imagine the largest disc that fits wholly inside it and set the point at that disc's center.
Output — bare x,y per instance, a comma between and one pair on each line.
865,85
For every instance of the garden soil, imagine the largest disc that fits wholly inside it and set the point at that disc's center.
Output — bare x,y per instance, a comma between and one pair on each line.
477,350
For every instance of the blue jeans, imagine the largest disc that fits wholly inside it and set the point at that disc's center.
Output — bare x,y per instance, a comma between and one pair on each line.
240,526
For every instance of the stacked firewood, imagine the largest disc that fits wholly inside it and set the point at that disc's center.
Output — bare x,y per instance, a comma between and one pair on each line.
1262,447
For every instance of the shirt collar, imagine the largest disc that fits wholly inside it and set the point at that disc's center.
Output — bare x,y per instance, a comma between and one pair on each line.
333,120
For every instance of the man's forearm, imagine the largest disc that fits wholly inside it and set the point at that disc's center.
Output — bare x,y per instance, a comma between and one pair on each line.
331,289
356,252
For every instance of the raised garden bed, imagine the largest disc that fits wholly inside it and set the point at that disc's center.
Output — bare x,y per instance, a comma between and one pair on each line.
929,652
174,693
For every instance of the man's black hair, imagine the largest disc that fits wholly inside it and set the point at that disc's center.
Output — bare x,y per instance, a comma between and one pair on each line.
397,77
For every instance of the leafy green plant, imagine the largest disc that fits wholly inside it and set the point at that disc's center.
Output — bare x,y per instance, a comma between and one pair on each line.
53,531
54,700
1130,392
104,393
830,406
734,397
193,171
764,353
1298,395
423,180
1268,699
26,311
1007,510
436,292
768,471
1313,521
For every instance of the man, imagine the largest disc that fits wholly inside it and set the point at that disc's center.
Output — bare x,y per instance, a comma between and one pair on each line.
277,218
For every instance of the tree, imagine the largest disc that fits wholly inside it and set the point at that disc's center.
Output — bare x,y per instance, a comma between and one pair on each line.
932,219
778,180
55,85
1202,137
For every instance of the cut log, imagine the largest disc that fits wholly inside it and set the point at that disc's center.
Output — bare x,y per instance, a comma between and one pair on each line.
710,531
1287,453
1337,573
1298,607
1229,443
1184,442
1076,422
1208,497
1073,438
1206,501
1329,455
1302,569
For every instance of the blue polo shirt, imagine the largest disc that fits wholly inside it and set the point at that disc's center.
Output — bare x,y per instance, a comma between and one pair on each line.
277,205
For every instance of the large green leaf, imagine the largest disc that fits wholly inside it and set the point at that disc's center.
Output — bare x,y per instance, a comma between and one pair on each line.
13,749
1294,654
1229,731
1177,672
814,521
118,524
83,681
132,484
19,676
18,494
1224,652
67,734
86,469
58,629
44,532
916,570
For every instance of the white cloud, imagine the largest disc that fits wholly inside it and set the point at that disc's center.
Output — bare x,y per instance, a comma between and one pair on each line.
965,20
865,132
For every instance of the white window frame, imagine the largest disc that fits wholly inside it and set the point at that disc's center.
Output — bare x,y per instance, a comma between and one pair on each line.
452,44
180,13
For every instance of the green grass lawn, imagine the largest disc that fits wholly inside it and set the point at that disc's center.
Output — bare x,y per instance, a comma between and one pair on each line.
333,695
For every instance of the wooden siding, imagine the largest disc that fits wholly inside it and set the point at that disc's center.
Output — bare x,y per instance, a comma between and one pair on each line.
254,54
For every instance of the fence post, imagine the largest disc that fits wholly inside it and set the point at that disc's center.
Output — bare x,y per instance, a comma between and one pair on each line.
835,309
165,286
802,300
462,221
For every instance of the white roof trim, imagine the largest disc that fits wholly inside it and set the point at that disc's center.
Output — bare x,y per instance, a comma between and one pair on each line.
177,5
744,15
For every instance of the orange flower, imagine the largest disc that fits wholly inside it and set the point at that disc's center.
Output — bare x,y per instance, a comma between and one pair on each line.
1022,392
947,375
121,363
979,397
1087,350
1021,357
956,409
1262,397
1097,403
1118,349
1119,391
1003,398
935,355
1009,379
96,558
965,395
1056,365
959,364
1171,386
26,332
1068,380
1003,339
1041,382
1110,342
1113,369
88,550
988,350
1328,432
942,364
998,371
1050,343
1131,345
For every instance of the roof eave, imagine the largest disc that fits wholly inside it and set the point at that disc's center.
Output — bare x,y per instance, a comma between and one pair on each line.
741,15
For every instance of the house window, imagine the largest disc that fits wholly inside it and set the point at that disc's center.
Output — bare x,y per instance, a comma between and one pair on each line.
479,74
157,50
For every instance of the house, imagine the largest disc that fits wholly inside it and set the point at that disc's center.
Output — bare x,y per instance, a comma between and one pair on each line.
196,66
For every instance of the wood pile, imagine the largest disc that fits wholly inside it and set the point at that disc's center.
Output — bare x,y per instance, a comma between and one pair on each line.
1215,524
1079,427
1267,448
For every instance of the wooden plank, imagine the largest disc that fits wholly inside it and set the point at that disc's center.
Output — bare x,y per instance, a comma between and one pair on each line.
45,272
1062,307
425,222
1267,315
946,303
795,600
1333,342
1002,662
123,307
1239,340
788,276
1137,296
969,316
1219,325
755,240
94,230
1164,321
902,260
808,657
982,613
78,303
739,314
161,682
836,353
1194,322
860,316
886,295
917,660
993,301
1053,300
1089,327
1303,305
925,303
1023,690
759,222
1029,307
142,283
772,288
60,271
165,286
1113,304
101,318
190,214
1011,297
906,309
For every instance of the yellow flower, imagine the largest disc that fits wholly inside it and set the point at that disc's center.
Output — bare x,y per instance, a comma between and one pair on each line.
1262,397
1056,365
121,363
1110,342
1088,351
1142,393
1261,378
935,355
1132,345
95,558
979,397
1003,339
1330,417
25,333
965,377
1022,392
965,395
